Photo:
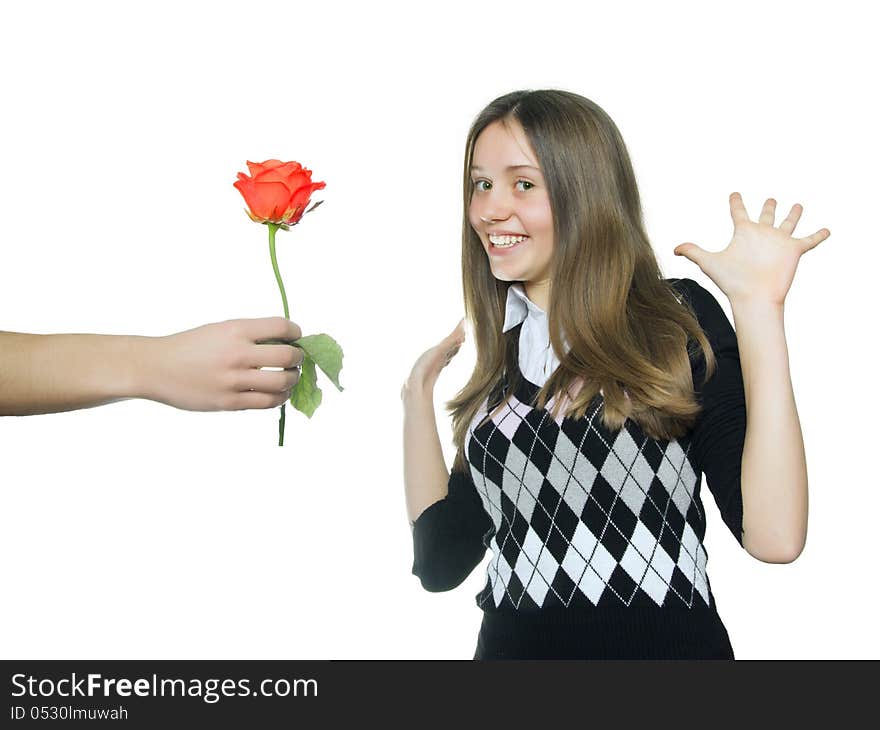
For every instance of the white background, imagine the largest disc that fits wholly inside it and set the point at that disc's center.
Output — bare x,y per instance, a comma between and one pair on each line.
137,530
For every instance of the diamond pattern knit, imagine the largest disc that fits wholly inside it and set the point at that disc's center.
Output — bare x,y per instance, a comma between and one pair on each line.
596,537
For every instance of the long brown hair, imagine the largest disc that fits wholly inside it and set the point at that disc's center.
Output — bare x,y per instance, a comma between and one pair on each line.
625,325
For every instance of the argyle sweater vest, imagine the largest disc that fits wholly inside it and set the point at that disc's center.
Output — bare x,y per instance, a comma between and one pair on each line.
596,537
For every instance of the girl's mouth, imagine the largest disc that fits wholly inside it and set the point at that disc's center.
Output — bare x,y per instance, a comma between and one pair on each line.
504,248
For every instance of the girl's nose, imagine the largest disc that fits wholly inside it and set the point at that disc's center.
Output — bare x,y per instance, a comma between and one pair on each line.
494,213
495,206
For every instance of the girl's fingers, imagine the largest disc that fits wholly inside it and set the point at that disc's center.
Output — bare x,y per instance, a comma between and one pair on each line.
794,216
814,240
768,212
452,344
452,353
458,333
737,209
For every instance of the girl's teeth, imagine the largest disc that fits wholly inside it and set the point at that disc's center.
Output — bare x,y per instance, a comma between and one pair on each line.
506,241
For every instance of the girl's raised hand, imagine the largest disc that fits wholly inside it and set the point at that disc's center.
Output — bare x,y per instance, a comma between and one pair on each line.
427,368
760,260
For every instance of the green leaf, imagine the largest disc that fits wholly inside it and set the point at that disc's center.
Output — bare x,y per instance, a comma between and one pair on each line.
326,353
306,395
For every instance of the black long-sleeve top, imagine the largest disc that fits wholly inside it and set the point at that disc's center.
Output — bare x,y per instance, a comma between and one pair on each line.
596,537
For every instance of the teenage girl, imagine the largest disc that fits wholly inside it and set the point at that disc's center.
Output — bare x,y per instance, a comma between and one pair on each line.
601,394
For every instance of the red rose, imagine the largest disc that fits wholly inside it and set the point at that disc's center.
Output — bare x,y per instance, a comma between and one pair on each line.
278,192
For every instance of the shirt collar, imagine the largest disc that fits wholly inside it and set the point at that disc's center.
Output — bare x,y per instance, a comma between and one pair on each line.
519,306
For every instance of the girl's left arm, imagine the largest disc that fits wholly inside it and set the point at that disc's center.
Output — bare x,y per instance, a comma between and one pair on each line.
756,271
774,465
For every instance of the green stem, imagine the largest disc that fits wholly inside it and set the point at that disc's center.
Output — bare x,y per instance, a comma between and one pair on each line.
281,426
273,227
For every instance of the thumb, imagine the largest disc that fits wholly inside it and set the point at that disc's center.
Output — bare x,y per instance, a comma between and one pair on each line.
690,251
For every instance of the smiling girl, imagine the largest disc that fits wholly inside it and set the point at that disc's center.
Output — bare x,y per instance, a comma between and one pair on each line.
601,394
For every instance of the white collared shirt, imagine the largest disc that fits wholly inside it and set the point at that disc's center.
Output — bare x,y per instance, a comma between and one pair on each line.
536,357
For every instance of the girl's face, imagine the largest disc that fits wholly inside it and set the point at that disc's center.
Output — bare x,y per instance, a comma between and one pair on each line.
510,193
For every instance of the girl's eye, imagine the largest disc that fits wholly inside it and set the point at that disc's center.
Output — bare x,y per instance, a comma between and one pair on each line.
525,182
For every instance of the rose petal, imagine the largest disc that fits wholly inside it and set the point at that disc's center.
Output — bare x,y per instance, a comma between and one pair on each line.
254,168
297,180
300,199
288,168
265,199
271,176
285,173
257,167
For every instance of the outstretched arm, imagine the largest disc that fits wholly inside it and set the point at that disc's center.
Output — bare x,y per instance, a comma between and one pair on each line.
212,367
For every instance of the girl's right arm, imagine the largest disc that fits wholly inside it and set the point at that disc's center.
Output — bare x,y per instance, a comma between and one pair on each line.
424,470
445,512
